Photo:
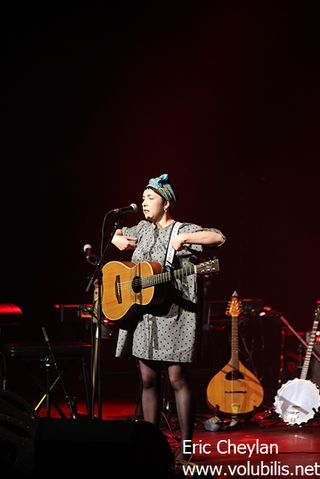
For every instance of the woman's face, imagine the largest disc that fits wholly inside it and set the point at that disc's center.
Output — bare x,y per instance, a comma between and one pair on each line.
153,205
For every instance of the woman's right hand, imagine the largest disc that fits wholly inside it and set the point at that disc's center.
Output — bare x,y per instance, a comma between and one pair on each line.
124,243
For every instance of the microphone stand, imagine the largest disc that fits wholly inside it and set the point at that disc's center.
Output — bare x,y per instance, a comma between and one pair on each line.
97,275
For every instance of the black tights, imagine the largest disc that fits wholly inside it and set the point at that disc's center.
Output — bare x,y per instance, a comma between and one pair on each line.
151,394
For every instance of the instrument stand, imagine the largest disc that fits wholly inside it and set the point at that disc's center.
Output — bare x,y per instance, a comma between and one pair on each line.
49,361
96,367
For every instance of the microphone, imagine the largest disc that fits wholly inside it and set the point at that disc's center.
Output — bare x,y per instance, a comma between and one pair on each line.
90,257
126,209
88,250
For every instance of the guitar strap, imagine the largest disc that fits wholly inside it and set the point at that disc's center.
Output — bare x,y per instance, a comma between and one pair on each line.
170,251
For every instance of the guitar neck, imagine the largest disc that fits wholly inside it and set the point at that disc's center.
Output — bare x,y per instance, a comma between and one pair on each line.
167,276
307,359
234,343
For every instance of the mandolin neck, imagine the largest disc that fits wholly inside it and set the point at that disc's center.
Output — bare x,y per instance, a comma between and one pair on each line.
234,343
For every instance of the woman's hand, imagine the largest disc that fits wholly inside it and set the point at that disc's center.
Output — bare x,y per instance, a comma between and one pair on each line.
178,242
124,243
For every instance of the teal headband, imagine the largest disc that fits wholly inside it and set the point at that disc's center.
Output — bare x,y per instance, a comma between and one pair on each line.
163,187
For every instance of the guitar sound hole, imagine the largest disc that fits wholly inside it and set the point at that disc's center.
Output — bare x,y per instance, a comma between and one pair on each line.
136,284
233,375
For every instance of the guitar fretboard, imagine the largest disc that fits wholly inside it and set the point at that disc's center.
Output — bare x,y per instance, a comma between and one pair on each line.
167,276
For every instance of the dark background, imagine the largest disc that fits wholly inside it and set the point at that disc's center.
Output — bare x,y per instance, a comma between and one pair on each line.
223,97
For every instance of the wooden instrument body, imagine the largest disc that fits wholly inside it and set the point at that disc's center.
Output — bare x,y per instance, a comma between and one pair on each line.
127,286
234,389
118,295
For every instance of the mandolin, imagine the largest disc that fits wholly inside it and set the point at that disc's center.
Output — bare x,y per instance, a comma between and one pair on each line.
128,286
234,390
298,399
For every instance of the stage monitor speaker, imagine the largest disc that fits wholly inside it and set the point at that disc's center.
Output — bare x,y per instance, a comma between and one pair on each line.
88,448
18,424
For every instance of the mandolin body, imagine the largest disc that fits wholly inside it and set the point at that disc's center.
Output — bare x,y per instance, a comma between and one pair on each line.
234,391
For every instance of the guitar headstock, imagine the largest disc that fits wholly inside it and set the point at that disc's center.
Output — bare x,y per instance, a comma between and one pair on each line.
234,308
210,266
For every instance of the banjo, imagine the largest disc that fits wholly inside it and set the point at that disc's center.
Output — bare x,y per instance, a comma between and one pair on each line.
298,399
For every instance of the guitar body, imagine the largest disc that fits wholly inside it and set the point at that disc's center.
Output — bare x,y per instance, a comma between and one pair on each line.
121,292
234,391
128,286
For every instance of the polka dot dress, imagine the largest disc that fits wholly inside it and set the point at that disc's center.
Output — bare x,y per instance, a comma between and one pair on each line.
166,332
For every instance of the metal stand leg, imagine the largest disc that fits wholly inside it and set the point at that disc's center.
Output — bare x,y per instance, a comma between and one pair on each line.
47,363
85,381
168,407
49,387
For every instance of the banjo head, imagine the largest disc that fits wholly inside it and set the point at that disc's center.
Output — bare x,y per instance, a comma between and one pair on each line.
297,401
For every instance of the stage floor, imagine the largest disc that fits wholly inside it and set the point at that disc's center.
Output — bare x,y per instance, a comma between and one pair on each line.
261,446
253,450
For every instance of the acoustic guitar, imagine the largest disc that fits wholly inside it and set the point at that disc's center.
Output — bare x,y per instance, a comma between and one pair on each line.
298,400
128,286
234,390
